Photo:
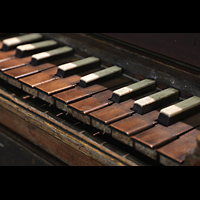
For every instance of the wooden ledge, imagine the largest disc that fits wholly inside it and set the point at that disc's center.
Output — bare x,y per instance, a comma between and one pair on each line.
63,140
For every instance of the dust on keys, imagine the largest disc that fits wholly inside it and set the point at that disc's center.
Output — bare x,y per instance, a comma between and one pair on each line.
157,123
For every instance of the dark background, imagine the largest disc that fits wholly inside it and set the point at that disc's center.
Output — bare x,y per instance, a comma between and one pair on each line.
184,47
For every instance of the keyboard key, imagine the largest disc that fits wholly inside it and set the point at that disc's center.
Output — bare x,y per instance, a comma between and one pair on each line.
178,111
132,90
77,66
156,100
47,56
102,75
175,152
29,49
11,43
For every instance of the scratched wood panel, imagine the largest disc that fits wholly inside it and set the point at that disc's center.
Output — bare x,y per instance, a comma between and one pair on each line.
63,140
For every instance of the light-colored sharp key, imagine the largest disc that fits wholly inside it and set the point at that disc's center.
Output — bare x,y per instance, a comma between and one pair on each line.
77,66
14,41
178,111
100,76
40,58
156,100
27,49
133,90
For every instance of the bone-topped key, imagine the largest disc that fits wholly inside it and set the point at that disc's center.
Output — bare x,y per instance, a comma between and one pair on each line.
77,66
29,49
50,55
81,109
178,111
43,57
155,100
96,77
132,90
11,43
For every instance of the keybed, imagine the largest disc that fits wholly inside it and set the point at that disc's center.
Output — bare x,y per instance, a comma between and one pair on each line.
136,113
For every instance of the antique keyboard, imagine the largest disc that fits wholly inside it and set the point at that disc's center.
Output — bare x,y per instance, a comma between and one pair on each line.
107,108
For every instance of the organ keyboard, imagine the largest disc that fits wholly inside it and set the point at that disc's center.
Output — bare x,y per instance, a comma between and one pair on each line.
144,114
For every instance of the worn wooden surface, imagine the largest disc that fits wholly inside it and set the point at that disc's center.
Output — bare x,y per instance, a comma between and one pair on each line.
121,126
14,63
17,151
135,62
7,54
64,141
176,150
160,135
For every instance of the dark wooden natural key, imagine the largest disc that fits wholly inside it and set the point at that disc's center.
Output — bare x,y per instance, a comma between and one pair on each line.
7,55
67,82
59,85
46,90
11,43
28,83
12,76
174,153
124,128
14,63
12,71
79,93
101,118
149,140
28,69
178,111
81,108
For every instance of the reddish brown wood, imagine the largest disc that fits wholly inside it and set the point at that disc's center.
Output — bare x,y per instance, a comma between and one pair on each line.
80,109
135,123
39,78
27,70
79,93
30,69
137,128
177,149
95,102
43,139
58,84
61,84
6,54
1,44
14,63
159,135
114,112
70,143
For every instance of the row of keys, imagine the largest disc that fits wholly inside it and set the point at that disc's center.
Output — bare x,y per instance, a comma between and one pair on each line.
99,96
167,115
